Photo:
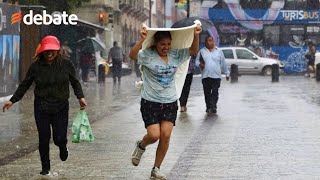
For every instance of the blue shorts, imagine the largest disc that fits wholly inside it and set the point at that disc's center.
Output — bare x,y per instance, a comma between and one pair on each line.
153,112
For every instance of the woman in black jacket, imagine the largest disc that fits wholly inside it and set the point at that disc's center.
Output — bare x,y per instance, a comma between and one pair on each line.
52,76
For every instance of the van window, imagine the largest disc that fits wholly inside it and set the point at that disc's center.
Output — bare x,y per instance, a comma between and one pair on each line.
228,54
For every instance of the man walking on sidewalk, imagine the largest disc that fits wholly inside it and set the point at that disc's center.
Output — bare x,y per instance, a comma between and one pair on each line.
212,62
116,56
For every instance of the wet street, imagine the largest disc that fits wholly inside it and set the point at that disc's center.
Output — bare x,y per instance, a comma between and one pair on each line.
262,130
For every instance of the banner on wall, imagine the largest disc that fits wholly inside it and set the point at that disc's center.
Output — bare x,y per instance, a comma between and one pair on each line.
9,49
181,9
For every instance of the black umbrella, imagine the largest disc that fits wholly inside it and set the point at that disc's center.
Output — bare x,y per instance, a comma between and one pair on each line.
91,45
206,24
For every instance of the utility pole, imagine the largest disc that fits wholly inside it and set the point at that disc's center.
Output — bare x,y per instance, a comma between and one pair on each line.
188,8
164,13
168,14
150,14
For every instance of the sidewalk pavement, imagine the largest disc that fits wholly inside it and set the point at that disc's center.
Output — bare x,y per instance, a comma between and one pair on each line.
263,130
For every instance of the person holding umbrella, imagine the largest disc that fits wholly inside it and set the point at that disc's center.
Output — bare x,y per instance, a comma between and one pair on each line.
87,60
88,47
52,76
158,96
187,85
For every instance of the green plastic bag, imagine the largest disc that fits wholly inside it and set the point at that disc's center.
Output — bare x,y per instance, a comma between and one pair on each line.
81,130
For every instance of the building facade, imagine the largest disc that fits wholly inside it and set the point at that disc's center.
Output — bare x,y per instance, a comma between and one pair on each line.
122,19
133,15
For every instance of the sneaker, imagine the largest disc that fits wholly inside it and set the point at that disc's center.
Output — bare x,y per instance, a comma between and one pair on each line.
136,155
64,154
306,75
183,109
156,174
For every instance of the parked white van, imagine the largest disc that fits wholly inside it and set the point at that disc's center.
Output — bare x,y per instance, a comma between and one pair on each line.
248,62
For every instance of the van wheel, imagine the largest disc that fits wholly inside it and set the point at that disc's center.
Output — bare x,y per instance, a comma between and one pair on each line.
267,71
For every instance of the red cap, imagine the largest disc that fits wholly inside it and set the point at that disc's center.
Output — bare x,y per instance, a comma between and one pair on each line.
48,43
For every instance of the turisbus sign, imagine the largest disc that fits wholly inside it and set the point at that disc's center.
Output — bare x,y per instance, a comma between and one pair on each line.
47,19
290,15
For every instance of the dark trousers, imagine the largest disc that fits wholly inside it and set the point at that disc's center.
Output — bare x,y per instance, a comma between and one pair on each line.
59,123
186,90
211,92
136,68
85,68
116,71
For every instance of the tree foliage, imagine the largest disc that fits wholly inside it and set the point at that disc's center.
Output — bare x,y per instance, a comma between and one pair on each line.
56,5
